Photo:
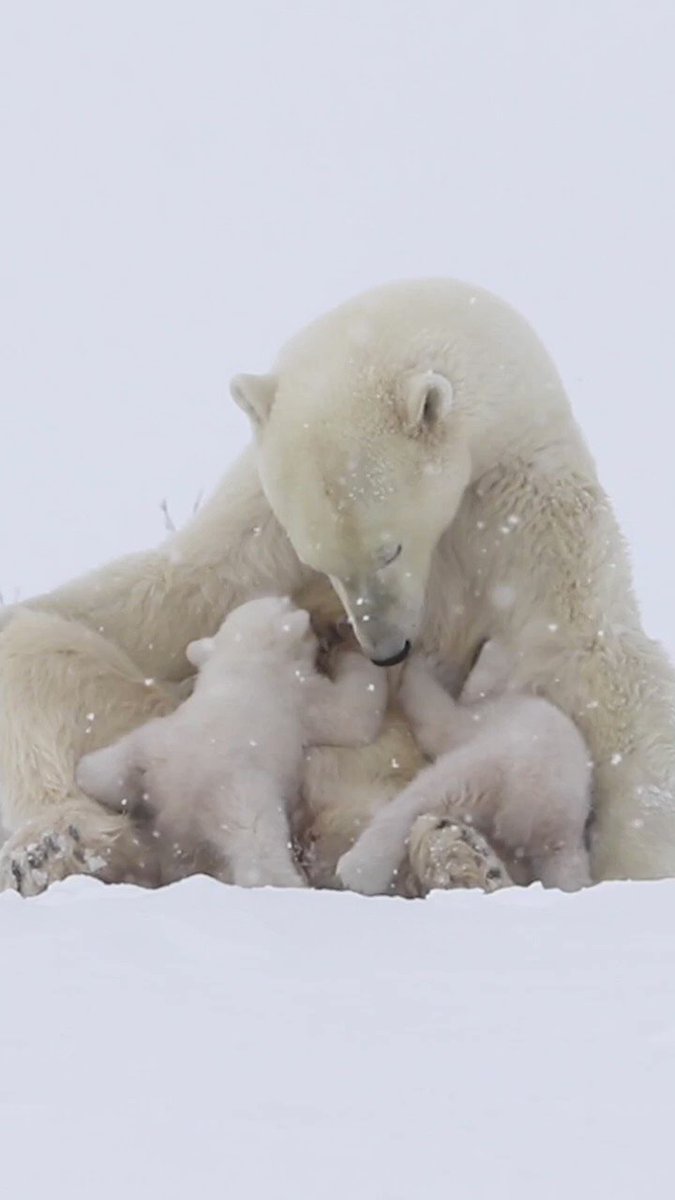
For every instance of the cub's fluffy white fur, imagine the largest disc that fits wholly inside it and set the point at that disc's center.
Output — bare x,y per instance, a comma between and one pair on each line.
220,775
513,765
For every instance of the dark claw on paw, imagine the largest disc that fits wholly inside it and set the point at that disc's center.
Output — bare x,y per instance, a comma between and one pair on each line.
35,856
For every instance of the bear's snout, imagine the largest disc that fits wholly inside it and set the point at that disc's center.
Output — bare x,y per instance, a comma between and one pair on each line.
394,659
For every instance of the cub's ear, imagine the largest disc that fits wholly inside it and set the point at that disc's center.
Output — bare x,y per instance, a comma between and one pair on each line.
426,400
255,396
200,651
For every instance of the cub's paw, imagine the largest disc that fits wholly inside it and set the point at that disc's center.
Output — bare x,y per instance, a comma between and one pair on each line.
282,877
253,874
446,852
490,672
362,869
421,668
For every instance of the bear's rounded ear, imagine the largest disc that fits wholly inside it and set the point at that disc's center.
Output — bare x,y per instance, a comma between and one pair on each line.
427,399
255,396
200,651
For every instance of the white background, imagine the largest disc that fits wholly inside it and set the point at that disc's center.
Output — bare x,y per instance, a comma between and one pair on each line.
185,184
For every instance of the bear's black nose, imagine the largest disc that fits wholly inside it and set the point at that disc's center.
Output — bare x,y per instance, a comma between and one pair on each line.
395,658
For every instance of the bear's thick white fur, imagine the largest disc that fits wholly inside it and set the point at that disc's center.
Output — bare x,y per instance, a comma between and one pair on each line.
513,766
221,775
425,416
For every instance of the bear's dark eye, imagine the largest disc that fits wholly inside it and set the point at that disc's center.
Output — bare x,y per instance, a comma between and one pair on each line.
389,556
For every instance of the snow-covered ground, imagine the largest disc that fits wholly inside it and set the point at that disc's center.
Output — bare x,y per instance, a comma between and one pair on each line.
265,1045
184,185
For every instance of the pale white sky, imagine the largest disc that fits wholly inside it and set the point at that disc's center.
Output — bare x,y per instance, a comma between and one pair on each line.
185,184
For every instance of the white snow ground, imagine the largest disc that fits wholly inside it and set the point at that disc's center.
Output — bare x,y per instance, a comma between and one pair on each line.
265,1045
183,186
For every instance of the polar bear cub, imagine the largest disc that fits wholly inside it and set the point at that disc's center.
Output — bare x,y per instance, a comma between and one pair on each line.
512,765
221,773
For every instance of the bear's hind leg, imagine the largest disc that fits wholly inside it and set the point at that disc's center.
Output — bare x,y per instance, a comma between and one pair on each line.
447,853
65,690
439,804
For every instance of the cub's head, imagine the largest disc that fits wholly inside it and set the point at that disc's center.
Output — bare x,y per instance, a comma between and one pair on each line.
364,469
269,627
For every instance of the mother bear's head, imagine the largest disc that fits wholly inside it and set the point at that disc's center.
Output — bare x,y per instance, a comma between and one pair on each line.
372,424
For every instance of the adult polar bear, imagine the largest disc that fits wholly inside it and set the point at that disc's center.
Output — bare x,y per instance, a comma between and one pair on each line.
416,447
